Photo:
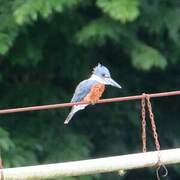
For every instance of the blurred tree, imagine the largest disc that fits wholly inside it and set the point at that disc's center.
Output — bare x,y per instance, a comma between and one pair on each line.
47,47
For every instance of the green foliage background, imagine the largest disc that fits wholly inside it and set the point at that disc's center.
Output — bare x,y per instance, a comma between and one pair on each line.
48,47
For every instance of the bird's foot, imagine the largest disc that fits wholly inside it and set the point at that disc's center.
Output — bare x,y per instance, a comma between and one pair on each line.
92,102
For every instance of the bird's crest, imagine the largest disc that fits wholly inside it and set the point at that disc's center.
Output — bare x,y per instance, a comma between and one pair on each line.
97,67
101,71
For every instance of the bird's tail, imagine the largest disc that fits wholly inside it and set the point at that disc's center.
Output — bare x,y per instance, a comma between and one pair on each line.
73,111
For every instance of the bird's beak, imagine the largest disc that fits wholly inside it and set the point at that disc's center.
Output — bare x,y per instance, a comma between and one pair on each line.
112,82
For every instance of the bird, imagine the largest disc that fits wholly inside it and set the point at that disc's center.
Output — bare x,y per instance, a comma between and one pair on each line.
91,90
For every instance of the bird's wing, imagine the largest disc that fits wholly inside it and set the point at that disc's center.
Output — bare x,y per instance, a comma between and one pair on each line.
82,90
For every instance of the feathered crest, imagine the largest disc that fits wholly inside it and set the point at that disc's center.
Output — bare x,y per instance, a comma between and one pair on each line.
95,68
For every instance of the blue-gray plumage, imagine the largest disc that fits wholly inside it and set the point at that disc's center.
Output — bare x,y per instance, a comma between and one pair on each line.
82,90
90,90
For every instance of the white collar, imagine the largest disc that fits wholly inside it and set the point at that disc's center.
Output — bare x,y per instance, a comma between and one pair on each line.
97,78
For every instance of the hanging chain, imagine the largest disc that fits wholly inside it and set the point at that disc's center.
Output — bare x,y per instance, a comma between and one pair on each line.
143,124
144,100
153,125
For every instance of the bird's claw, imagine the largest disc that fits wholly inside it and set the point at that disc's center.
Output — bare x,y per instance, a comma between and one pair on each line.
92,102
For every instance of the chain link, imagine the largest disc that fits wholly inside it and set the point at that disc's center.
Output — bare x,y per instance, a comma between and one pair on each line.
146,98
146,101
153,125
143,124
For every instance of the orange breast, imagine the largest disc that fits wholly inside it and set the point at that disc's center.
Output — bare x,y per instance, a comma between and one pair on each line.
95,93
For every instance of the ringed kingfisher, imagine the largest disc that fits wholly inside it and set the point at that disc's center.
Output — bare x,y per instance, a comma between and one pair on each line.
90,90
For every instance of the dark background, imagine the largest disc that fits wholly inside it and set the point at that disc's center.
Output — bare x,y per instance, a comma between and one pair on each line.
48,47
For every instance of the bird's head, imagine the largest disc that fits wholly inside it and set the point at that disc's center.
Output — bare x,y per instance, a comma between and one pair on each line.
102,75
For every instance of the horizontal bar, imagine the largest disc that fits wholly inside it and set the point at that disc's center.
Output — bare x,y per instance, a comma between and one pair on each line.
62,105
93,166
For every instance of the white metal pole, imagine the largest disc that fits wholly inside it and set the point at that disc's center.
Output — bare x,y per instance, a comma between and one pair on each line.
93,166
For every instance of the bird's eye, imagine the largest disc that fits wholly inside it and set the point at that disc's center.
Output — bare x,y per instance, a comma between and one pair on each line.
105,75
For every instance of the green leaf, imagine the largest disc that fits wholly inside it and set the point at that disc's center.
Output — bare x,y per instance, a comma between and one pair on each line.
8,27
123,10
173,24
29,11
5,142
145,57
98,31
4,43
